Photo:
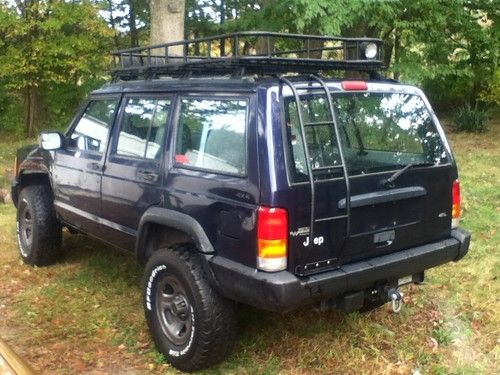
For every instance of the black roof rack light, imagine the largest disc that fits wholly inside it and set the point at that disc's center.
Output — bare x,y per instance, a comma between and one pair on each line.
283,53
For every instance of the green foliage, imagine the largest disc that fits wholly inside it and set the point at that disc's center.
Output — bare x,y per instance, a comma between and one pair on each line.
449,47
10,110
55,50
491,94
59,49
470,120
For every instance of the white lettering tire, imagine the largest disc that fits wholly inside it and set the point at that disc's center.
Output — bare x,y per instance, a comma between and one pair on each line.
191,324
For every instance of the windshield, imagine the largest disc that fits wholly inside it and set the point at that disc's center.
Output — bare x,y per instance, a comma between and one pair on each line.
378,131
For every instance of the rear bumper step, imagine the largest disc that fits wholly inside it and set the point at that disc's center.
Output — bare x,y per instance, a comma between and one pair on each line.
283,291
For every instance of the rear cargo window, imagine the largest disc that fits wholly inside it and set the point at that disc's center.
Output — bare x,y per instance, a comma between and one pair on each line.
378,131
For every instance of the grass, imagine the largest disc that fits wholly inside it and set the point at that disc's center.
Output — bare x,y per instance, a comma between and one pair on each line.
85,313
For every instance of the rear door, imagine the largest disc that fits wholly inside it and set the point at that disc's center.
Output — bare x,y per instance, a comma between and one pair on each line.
380,133
133,172
399,171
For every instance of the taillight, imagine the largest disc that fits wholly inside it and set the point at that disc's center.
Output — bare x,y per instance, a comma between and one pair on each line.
456,210
272,239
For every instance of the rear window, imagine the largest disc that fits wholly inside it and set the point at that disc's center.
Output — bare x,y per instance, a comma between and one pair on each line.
211,135
378,132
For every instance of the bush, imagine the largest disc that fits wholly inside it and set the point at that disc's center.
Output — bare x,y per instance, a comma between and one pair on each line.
471,120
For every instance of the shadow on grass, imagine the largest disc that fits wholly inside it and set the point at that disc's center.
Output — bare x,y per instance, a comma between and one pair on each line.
107,263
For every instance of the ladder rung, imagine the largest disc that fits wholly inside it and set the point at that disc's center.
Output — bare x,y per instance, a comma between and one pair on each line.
331,218
319,123
327,168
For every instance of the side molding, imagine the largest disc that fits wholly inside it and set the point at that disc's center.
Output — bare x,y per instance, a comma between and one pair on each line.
172,219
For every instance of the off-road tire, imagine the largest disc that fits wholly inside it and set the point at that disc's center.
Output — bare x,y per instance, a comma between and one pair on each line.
210,317
39,233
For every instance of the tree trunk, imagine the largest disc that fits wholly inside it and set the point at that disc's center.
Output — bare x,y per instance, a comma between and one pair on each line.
222,20
113,24
134,35
397,52
314,46
167,23
262,47
388,47
33,112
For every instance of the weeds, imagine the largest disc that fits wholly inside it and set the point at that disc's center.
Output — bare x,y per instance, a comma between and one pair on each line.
471,120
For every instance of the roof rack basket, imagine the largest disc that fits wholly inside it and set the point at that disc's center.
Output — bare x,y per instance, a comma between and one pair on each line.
236,54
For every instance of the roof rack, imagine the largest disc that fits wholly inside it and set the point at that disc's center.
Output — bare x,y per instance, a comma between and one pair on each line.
235,54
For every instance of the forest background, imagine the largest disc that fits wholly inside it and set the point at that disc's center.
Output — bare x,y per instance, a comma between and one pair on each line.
54,52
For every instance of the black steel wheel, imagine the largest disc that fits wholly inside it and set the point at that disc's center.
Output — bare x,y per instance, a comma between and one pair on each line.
39,232
174,310
191,324
25,229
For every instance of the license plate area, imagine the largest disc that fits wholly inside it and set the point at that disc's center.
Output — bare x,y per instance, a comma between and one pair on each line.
405,280
415,278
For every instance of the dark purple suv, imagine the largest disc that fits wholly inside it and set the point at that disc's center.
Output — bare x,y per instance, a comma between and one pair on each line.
270,190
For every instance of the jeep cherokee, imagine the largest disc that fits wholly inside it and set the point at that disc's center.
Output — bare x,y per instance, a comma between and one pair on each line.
232,181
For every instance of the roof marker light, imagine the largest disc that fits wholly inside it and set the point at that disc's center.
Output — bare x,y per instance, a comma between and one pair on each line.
354,85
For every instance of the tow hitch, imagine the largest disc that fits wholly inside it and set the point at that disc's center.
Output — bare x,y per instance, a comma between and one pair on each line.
396,298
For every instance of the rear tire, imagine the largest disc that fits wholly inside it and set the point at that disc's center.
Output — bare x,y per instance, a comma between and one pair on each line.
39,233
191,324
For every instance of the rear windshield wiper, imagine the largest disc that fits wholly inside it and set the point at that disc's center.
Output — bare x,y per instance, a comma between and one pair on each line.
389,183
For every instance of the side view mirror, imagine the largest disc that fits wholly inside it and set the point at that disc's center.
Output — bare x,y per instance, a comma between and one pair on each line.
51,141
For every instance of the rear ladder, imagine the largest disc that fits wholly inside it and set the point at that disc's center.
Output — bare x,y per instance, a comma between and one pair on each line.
334,123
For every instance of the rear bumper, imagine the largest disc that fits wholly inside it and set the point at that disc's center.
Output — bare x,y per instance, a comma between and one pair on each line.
283,291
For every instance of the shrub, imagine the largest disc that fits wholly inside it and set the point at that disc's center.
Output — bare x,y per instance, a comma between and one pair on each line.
471,120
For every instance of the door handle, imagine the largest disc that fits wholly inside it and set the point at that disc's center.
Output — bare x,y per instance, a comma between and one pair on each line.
148,176
383,243
95,166
383,239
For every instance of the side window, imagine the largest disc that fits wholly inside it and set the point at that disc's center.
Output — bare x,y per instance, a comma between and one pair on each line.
91,131
143,128
211,135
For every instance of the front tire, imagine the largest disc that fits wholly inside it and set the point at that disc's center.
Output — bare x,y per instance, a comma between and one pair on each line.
191,324
39,233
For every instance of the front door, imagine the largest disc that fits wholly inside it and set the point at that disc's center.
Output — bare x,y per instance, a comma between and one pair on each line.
78,166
